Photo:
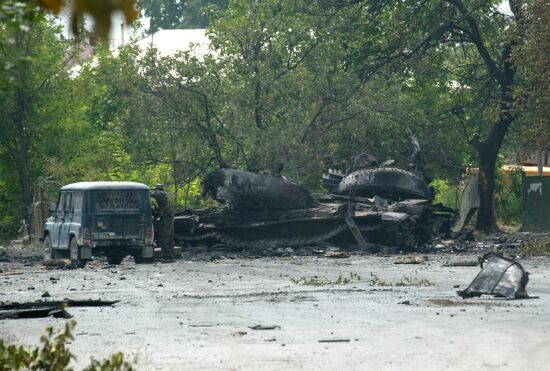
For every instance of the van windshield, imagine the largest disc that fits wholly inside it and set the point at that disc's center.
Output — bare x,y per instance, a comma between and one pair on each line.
118,200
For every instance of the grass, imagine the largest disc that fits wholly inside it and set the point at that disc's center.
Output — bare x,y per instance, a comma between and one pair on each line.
404,281
373,280
316,281
535,247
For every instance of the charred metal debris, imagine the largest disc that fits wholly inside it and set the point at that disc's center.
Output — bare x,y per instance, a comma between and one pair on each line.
500,277
370,207
49,308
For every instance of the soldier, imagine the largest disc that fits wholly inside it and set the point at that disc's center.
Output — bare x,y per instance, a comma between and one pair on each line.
164,219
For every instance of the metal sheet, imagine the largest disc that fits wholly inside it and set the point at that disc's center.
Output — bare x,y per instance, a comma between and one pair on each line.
536,203
499,276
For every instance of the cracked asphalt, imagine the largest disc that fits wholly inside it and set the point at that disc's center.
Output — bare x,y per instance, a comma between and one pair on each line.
204,315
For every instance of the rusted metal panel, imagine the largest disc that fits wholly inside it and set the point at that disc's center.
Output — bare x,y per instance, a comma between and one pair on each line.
536,203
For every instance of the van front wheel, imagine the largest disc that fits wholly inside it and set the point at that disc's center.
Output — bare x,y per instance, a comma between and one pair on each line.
48,250
74,252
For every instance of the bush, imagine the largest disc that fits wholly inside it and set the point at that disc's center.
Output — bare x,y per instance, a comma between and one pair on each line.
53,355
508,196
446,193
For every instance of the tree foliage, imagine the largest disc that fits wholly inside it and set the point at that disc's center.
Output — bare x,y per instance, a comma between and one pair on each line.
288,87
469,42
36,100
533,57
170,14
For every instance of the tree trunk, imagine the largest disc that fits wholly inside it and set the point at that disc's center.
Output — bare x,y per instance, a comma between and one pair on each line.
23,147
488,150
486,215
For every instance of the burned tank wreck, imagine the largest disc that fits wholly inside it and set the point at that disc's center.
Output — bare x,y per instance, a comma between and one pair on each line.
366,208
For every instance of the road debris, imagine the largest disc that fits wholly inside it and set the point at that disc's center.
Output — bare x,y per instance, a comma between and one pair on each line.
462,263
264,327
65,264
336,254
53,311
11,273
334,341
411,260
500,277
487,304
53,308
55,263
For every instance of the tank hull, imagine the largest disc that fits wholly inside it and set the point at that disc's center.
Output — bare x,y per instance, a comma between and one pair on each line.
247,190
389,183
406,225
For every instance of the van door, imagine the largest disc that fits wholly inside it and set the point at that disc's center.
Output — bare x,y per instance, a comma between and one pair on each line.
67,221
58,219
76,226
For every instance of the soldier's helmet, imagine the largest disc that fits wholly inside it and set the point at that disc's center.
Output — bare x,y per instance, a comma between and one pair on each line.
159,187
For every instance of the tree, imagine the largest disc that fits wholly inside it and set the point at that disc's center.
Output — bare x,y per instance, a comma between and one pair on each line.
472,39
34,99
172,14
533,58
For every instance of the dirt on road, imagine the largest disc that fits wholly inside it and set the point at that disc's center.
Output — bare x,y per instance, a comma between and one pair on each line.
355,313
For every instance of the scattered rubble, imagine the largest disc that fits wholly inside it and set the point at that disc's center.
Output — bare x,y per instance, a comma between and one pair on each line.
336,254
411,260
61,264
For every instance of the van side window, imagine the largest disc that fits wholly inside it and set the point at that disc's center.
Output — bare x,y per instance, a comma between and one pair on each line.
69,202
61,203
77,201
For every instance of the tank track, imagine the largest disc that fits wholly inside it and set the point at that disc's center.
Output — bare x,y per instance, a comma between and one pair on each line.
231,240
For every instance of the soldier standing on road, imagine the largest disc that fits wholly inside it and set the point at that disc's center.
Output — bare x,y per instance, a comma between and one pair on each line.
164,221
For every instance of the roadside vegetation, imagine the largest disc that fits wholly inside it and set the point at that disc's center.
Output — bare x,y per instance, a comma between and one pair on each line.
53,354
535,247
372,280
507,195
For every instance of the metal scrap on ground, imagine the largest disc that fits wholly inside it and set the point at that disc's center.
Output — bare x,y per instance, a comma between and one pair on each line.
51,308
264,327
499,276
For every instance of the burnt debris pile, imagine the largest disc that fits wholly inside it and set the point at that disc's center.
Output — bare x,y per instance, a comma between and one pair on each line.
370,208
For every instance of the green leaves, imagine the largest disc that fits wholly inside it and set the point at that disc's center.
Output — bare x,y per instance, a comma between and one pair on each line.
53,354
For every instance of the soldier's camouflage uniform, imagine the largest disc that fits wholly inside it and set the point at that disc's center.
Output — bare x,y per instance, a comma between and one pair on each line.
164,222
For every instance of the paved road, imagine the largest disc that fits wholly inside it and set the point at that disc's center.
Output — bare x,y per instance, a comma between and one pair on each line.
197,315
